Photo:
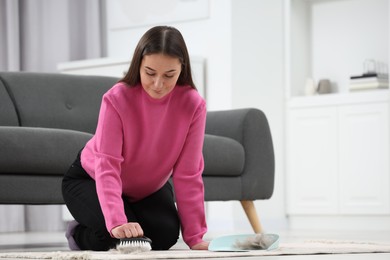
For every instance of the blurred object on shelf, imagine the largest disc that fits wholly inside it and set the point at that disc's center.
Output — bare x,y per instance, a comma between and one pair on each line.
324,86
369,82
375,76
369,66
310,87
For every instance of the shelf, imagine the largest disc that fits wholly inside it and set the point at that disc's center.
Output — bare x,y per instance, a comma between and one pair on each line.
371,96
331,39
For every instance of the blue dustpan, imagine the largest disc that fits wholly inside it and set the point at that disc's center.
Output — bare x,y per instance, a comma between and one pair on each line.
228,243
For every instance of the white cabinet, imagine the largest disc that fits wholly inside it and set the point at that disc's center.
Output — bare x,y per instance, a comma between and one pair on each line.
337,145
364,159
312,161
338,156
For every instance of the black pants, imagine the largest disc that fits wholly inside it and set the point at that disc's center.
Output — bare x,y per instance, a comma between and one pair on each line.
156,213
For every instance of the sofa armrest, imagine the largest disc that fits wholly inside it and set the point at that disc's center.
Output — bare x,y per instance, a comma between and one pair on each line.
250,128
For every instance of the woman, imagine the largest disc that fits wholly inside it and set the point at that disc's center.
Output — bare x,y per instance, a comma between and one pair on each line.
150,128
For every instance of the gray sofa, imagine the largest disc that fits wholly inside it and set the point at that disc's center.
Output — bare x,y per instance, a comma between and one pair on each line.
45,119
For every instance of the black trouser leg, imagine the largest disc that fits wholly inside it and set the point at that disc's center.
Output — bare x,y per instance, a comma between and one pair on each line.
79,192
156,213
158,217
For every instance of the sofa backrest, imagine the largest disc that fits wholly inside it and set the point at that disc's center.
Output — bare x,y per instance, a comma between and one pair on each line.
8,114
52,100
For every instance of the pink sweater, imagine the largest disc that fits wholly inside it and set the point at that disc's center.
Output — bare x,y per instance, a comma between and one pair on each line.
139,143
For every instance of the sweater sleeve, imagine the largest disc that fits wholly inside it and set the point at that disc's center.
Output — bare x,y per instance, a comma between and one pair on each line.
108,159
188,183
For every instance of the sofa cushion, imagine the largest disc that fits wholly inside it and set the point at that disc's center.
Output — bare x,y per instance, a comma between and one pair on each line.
29,150
222,156
51,151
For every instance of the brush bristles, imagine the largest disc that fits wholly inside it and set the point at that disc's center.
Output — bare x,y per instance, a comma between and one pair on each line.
134,245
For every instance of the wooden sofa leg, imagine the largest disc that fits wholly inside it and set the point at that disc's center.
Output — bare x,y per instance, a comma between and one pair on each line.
250,211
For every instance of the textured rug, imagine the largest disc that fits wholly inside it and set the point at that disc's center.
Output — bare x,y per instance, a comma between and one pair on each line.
304,248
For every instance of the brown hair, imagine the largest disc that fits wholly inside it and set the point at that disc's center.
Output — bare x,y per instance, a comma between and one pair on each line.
165,40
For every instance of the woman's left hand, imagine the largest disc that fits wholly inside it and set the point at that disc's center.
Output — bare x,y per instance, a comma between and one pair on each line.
201,246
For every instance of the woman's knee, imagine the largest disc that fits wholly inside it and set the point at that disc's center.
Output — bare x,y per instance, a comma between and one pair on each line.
164,237
94,239
103,245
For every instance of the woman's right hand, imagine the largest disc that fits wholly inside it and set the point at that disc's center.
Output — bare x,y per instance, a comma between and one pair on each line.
131,229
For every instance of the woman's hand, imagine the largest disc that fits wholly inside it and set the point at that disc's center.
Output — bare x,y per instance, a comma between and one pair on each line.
131,229
201,246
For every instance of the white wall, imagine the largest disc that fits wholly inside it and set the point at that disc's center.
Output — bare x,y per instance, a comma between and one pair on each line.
257,70
242,41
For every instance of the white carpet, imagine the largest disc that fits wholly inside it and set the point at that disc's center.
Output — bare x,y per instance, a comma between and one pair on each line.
305,248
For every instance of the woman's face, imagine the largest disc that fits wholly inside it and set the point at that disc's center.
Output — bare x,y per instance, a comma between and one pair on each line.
159,74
